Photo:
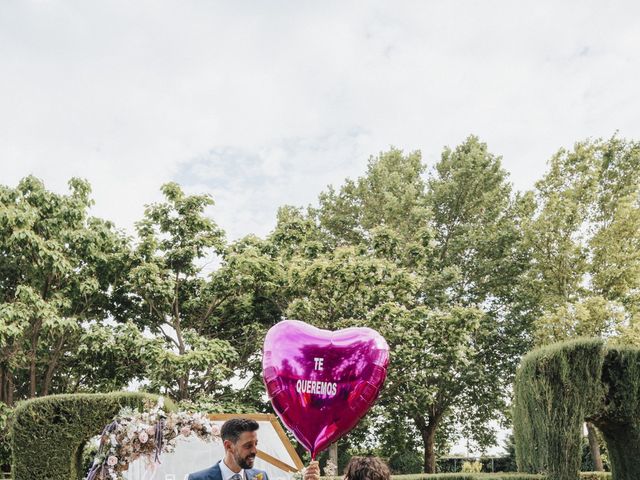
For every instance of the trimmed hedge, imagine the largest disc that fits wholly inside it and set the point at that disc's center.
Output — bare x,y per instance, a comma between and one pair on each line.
470,476
49,433
619,417
460,476
555,387
595,475
486,476
5,444
559,387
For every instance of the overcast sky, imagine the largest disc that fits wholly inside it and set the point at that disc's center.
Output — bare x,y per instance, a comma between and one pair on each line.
266,103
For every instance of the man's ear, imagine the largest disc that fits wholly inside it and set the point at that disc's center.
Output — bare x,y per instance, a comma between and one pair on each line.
227,444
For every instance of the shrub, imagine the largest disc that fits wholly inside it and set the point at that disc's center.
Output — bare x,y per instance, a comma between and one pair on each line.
486,476
470,476
471,467
555,388
587,464
5,445
408,461
595,475
559,387
618,417
48,433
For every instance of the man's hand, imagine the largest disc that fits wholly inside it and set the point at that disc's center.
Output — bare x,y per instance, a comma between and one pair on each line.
312,472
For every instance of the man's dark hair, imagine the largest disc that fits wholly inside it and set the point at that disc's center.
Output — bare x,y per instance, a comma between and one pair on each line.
231,429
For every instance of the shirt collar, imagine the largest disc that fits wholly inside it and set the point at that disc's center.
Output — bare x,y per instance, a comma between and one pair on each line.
227,473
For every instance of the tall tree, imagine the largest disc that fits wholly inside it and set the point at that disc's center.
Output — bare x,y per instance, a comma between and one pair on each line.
585,242
430,264
56,275
176,240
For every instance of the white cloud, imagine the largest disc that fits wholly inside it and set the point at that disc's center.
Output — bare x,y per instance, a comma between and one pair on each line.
263,104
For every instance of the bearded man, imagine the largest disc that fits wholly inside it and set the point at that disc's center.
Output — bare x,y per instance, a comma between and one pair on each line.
240,439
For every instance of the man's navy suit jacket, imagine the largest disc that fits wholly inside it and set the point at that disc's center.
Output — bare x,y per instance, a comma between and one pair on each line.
214,473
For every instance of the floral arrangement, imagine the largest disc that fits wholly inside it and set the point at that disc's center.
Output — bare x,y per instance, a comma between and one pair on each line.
133,435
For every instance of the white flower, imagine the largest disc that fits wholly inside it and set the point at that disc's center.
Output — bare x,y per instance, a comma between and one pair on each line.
112,460
143,437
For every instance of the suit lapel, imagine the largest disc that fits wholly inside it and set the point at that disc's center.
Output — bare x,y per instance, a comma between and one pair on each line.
216,473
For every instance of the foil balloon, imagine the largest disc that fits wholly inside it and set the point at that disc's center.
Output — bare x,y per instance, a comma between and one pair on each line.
321,383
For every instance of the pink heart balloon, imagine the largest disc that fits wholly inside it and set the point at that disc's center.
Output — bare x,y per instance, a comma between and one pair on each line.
321,383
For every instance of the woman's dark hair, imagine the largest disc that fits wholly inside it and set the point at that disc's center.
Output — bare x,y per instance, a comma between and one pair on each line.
367,468
231,429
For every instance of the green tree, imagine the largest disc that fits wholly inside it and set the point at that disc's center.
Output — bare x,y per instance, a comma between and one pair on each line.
248,291
585,243
431,265
209,325
57,272
176,240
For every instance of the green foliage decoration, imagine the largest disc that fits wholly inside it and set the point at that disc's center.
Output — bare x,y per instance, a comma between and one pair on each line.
48,433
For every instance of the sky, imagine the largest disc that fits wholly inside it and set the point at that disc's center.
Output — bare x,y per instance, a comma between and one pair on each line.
262,104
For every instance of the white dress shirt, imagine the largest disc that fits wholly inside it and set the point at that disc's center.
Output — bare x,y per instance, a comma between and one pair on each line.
227,473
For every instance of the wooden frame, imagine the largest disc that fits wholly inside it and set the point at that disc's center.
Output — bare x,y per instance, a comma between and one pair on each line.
268,417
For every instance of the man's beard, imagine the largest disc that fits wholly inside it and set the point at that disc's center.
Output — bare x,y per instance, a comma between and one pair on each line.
246,462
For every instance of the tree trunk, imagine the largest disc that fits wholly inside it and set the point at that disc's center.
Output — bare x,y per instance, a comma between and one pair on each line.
427,429
32,355
333,455
53,363
10,390
3,387
32,376
595,448
429,451
183,382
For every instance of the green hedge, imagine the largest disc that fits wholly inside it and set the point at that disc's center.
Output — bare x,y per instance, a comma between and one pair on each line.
619,417
470,476
49,433
560,386
595,475
460,476
5,444
555,388
486,476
